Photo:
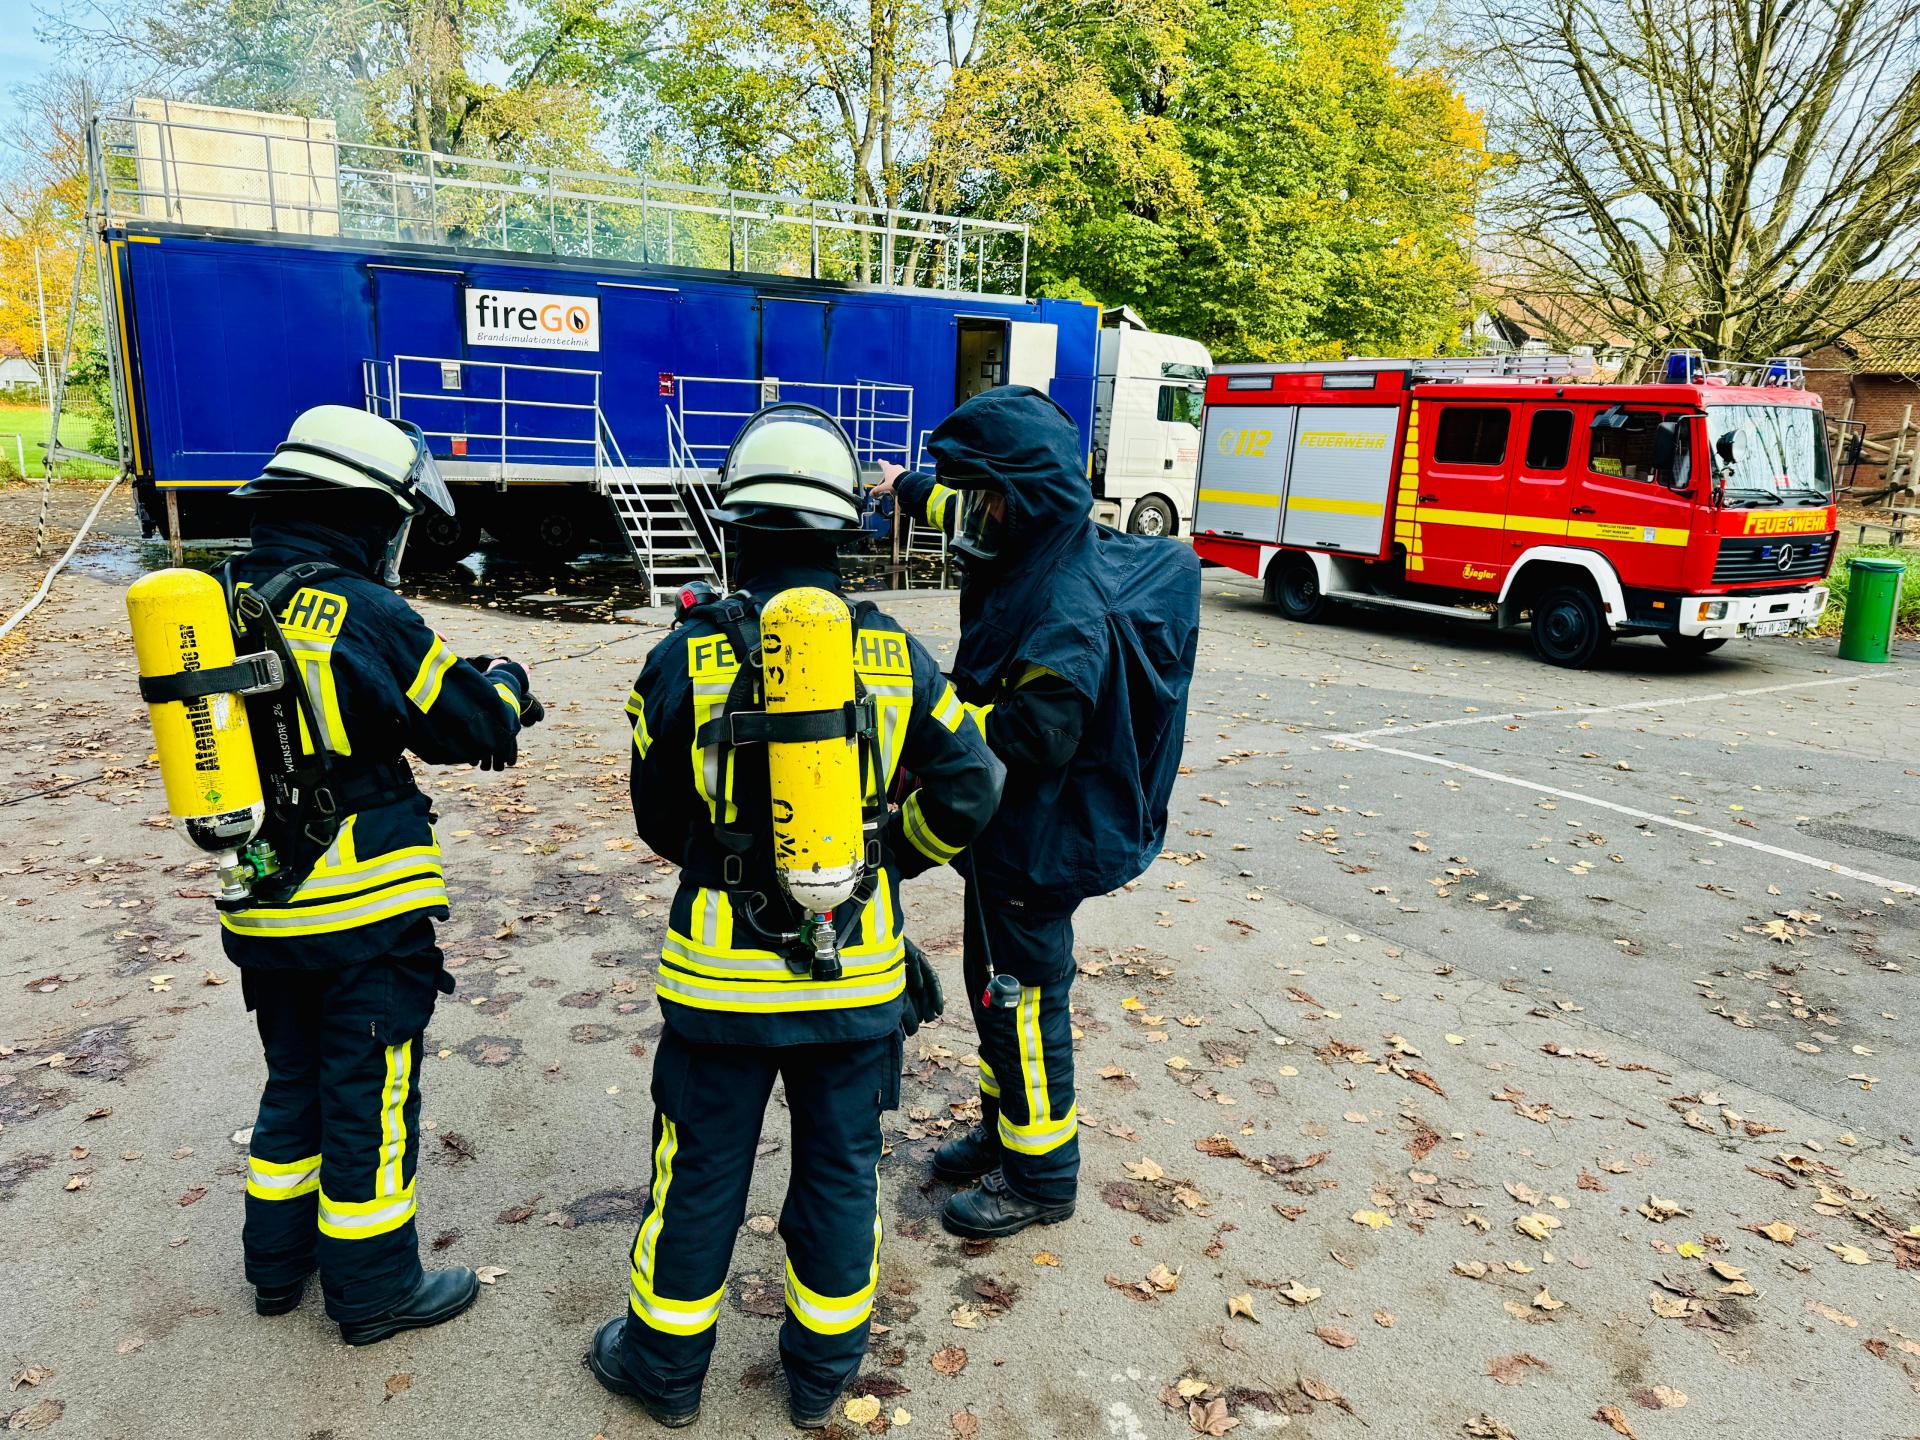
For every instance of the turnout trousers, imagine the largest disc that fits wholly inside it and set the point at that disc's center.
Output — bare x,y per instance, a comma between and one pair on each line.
1026,1053
331,1166
709,1102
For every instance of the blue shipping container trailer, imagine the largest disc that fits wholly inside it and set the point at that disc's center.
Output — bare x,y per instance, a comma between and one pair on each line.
564,340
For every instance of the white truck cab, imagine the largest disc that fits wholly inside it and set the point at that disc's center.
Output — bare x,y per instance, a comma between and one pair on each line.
1146,429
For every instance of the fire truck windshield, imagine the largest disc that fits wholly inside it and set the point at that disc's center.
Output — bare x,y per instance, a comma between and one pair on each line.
1772,451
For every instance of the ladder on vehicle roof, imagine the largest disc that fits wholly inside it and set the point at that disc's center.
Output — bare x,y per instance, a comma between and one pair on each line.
1577,363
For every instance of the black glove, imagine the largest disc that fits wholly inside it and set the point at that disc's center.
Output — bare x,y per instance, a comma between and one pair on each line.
532,712
924,1000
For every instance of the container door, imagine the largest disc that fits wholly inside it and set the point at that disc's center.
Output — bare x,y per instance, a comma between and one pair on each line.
638,349
1032,350
1538,501
1461,502
793,341
419,335
1621,505
1243,471
1338,483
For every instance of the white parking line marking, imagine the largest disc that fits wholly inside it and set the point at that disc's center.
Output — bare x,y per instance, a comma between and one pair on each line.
1574,711
1831,866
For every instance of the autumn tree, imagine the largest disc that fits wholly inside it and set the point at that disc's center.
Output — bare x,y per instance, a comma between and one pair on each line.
1708,173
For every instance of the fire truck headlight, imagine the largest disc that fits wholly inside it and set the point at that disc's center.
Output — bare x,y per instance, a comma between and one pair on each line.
1712,610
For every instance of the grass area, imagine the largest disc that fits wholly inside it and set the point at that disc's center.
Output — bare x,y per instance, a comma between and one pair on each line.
29,422
1906,620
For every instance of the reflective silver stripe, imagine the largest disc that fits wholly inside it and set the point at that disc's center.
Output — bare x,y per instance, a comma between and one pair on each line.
311,671
743,963
264,1181
765,962
367,1221
293,919
674,983
837,1315
660,1310
358,879
708,904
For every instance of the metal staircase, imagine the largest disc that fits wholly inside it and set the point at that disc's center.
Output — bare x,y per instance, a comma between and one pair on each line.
673,541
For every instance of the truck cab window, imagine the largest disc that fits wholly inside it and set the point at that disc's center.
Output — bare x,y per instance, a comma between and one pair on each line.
1471,435
1181,403
1624,443
1549,438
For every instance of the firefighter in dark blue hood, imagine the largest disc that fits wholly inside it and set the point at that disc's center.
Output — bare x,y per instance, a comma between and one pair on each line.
1076,651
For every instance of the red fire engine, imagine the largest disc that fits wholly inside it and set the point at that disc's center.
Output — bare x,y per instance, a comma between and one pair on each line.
1500,489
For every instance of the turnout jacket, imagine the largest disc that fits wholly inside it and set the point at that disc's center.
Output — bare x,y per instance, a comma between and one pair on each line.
1077,649
719,982
382,683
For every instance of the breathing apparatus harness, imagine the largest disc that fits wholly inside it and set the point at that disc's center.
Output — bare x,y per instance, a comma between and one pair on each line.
743,720
308,797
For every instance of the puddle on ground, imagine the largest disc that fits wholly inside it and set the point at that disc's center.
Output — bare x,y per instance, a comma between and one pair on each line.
597,588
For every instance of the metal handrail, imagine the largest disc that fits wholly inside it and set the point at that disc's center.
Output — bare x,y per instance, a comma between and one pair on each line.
833,239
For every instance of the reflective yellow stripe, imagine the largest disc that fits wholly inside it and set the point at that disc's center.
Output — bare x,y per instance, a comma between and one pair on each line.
363,1219
920,834
988,1084
950,712
700,993
425,688
1030,673
426,894
938,499
1618,531
505,692
1257,498
1039,1139
979,714
282,1180
642,736
656,1311
836,1314
1033,1060
1466,519
393,1118
1327,505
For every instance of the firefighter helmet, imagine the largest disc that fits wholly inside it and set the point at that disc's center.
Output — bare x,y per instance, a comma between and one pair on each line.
338,447
791,467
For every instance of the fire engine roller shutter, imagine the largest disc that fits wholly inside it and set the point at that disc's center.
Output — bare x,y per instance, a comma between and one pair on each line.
1243,471
1342,470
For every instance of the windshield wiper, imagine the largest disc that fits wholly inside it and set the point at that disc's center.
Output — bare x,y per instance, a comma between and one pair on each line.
1770,497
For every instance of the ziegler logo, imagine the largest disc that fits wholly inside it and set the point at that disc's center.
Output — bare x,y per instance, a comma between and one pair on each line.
1794,522
1474,572
531,321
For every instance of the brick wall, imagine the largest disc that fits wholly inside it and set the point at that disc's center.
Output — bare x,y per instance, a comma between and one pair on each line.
1879,400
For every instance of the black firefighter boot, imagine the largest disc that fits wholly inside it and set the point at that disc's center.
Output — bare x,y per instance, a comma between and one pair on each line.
439,1296
280,1299
964,1159
603,1359
993,1210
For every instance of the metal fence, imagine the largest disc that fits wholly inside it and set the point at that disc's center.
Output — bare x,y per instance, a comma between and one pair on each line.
292,176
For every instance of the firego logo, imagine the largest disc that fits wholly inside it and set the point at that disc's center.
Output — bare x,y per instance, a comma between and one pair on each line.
530,321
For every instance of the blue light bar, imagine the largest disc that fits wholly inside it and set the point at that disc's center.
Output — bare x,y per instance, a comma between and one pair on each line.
1683,367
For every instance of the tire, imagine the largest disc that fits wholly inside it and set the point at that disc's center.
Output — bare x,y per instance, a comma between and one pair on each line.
1569,628
438,539
542,526
1293,587
1153,516
1690,645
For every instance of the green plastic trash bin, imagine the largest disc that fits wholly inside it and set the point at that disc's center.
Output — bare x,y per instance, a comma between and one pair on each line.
1873,594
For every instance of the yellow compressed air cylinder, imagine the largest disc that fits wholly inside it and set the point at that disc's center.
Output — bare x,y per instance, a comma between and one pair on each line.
806,648
206,750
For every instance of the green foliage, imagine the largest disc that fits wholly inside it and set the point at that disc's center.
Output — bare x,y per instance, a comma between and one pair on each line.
1258,174
1906,613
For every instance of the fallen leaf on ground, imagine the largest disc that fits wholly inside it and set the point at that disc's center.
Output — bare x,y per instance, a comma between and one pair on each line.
37,1416
965,1317
862,1409
1610,1415
1046,1257
1536,1227
1779,1231
1851,1254
1372,1219
1657,1209
1298,1294
1336,1337
1660,1397
487,1274
1545,1301
1164,1280
902,1415
949,1360
1838,1317
1242,1306
398,1383
1512,1369
31,1376
1485,1427
966,1425
1210,1418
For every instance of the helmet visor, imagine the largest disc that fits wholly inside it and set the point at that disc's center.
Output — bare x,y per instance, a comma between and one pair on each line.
424,480
983,525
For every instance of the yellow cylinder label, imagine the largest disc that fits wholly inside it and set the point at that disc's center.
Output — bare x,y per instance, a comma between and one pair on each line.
806,647
206,750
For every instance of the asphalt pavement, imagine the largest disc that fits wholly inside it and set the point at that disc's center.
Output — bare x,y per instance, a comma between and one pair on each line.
1495,1051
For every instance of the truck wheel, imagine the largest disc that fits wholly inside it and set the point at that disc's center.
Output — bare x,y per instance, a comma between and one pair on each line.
542,526
1153,516
1569,628
1690,645
1293,585
438,539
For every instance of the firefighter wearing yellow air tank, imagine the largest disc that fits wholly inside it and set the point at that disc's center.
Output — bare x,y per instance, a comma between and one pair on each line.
768,729
328,910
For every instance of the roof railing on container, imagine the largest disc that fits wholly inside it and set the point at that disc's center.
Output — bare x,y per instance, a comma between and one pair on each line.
159,167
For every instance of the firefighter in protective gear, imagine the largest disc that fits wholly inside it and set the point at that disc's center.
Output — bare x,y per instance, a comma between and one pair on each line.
342,973
741,981
1076,650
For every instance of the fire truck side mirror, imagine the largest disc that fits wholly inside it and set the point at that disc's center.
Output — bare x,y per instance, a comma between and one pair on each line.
1667,437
